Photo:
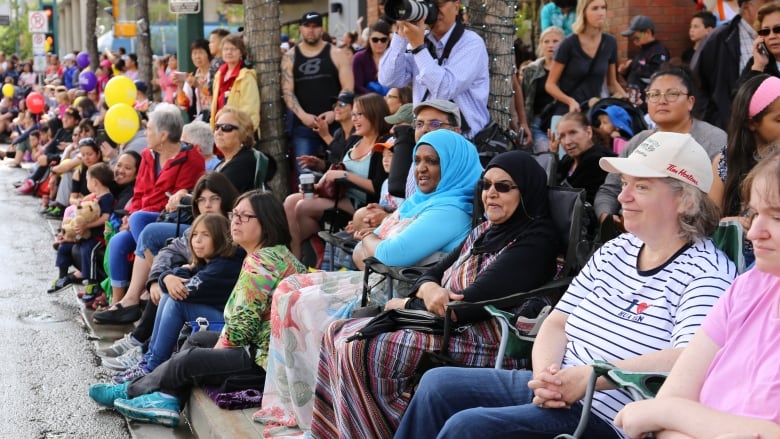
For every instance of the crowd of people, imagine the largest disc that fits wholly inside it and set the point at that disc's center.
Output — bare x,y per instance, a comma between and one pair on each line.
172,227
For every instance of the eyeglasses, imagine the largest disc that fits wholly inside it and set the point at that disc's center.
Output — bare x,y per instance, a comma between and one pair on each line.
356,115
212,199
379,40
501,186
225,127
654,96
242,218
764,31
433,124
340,104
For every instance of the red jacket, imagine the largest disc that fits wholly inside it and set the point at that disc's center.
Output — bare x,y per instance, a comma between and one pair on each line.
180,172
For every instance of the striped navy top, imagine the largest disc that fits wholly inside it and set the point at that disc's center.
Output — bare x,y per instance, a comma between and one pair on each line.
618,312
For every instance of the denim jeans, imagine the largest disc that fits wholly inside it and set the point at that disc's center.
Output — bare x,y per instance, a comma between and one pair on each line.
197,363
305,142
171,315
123,244
465,403
154,236
541,140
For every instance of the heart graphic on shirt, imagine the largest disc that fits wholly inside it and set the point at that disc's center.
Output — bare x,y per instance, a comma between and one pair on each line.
642,307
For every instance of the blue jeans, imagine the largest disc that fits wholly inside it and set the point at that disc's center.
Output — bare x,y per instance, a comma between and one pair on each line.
465,403
541,140
171,315
123,244
154,236
305,142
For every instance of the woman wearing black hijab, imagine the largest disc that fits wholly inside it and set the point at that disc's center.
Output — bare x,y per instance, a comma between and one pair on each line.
512,251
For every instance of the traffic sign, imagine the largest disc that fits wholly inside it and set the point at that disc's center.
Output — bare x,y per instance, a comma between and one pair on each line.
184,6
38,22
39,44
39,63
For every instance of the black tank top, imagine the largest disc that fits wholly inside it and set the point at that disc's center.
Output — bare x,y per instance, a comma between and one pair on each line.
316,81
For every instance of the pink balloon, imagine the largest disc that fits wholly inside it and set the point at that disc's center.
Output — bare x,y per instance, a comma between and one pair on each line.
35,103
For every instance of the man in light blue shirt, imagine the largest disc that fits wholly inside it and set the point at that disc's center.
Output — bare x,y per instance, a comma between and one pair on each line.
463,77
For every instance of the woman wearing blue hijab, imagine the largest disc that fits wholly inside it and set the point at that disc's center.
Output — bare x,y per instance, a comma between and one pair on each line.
432,222
437,217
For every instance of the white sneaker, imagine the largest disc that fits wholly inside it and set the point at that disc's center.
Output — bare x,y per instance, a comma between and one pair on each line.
119,347
125,361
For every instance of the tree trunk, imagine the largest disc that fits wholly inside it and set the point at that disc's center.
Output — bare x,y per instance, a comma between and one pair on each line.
91,30
493,20
144,41
261,31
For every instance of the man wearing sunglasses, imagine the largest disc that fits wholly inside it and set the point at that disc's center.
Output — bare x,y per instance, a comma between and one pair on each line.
652,54
720,60
449,63
312,73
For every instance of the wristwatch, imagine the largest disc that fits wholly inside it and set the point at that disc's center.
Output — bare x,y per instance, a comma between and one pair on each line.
345,175
417,49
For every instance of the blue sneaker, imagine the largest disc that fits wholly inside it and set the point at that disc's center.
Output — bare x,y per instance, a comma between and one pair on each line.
155,408
131,373
105,394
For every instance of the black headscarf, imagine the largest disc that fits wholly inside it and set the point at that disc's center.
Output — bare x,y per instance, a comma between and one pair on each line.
531,180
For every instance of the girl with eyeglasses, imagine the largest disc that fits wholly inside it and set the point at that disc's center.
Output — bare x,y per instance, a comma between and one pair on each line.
512,250
365,63
766,46
241,347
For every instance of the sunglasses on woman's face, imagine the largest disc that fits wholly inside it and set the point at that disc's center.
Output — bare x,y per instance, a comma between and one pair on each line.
340,104
764,32
379,40
501,186
225,127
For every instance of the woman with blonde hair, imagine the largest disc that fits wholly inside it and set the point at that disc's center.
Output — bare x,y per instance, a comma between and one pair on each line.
536,97
584,60
235,84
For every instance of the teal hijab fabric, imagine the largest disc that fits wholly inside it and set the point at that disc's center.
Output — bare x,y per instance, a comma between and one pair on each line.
460,170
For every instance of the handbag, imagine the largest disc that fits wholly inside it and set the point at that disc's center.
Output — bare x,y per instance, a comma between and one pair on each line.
399,318
330,188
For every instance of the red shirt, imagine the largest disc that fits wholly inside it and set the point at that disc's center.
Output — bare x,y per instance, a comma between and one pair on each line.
180,172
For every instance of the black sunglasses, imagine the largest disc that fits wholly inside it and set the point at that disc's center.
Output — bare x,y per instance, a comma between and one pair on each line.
501,186
764,32
225,127
379,40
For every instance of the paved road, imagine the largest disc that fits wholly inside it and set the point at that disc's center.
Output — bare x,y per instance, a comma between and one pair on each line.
46,359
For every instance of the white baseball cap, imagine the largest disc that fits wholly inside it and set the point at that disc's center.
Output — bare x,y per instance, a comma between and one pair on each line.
661,155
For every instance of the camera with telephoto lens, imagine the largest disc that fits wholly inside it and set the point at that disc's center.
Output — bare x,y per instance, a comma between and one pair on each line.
411,10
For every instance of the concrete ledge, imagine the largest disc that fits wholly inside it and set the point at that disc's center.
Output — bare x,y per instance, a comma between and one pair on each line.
211,422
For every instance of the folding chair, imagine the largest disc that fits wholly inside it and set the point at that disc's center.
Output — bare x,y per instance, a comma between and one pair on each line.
518,331
549,162
729,237
640,385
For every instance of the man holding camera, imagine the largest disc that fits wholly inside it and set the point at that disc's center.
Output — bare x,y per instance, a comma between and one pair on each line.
449,62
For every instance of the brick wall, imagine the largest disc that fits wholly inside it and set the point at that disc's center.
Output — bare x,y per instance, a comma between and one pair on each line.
671,18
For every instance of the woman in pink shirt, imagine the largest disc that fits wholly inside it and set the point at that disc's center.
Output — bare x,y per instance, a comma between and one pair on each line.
727,381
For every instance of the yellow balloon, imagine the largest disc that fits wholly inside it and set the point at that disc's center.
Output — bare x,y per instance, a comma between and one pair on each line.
78,100
8,90
121,122
120,90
